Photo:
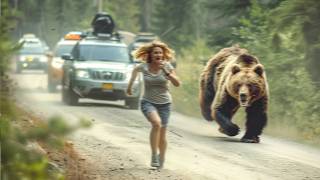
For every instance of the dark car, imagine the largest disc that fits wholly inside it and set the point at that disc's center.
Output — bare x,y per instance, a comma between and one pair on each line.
141,39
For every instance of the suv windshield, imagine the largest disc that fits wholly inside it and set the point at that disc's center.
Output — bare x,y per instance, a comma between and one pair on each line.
103,53
63,49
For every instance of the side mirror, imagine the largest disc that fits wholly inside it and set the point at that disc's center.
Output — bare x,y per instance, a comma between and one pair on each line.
136,61
174,64
67,57
133,60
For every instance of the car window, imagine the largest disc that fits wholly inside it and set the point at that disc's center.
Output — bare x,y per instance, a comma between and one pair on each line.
144,40
32,50
103,53
63,49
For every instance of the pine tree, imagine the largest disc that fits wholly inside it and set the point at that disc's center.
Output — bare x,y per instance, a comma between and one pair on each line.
173,21
300,18
125,13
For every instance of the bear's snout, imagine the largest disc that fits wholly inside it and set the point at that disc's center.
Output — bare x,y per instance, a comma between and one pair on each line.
243,99
244,96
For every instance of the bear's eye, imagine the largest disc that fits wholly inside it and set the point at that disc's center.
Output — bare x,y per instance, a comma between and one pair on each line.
237,87
253,88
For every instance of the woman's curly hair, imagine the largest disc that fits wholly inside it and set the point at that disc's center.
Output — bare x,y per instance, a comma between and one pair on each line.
143,52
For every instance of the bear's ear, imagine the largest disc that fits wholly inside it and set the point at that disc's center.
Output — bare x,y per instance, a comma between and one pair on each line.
235,69
258,69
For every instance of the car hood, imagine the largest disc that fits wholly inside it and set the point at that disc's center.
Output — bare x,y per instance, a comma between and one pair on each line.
102,65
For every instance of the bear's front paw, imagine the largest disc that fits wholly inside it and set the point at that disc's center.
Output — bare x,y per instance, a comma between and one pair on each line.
254,139
230,130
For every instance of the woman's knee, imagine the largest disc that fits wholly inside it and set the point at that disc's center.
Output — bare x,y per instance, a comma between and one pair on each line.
156,124
155,120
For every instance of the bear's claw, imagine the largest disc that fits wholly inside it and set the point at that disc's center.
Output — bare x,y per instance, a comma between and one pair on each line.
255,139
230,130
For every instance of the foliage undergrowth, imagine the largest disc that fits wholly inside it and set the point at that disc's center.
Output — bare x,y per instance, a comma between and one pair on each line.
20,158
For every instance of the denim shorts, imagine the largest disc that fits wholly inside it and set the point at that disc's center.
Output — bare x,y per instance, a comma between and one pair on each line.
162,109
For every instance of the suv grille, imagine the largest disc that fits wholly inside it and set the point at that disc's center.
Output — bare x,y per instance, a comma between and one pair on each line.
107,75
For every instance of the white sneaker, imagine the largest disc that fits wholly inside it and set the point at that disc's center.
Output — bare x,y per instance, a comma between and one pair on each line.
155,161
161,162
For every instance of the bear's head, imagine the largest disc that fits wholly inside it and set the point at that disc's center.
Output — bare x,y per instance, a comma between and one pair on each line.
247,84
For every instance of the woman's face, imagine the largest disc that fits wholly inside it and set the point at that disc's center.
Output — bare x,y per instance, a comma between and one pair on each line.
157,55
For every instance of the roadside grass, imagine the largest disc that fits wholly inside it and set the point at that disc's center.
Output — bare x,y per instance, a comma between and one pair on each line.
23,137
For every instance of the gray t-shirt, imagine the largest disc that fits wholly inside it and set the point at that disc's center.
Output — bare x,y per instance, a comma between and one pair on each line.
156,86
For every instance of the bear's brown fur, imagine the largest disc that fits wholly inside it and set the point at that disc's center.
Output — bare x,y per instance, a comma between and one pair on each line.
234,78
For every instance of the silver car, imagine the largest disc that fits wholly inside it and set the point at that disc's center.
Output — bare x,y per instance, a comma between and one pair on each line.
99,68
32,55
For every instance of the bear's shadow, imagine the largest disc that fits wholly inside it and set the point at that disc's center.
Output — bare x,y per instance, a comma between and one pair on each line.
225,139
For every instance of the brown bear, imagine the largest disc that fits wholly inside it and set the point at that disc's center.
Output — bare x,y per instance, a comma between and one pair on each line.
231,79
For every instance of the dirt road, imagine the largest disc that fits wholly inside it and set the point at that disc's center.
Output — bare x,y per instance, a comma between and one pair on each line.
117,144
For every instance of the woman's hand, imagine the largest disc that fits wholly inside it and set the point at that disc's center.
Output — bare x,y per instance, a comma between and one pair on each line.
173,78
134,75
129,91
165,71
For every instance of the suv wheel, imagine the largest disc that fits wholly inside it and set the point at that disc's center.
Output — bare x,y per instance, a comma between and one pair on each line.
69,96
18,69
45,69
51,86
132,103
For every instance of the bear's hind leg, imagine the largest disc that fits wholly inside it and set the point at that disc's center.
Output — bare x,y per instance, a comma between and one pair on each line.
207,94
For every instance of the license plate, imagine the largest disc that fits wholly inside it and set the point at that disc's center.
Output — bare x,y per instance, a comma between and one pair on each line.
107,86
29,59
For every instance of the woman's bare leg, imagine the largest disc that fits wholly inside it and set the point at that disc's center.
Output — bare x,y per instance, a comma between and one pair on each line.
162,143
155,131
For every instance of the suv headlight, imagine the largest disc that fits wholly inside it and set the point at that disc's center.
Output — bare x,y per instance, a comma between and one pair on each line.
82,73
43,59
22,58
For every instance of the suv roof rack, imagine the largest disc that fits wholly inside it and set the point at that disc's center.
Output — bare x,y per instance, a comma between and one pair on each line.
102,28
103,36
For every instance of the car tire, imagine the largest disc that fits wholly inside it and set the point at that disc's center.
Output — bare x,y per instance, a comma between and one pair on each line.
45,69
132,103
18,69
69,97
52,87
